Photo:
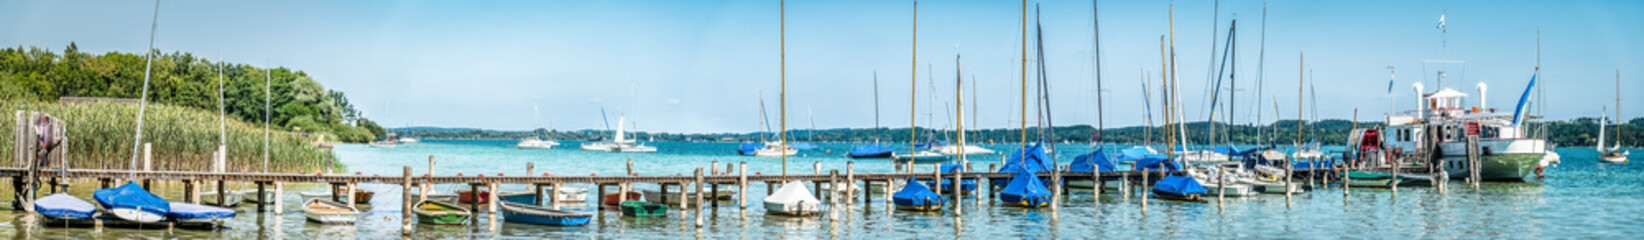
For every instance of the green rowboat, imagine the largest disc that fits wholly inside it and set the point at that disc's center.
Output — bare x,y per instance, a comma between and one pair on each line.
643,209
442,213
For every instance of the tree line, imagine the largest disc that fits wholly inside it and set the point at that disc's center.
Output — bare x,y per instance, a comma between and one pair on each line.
298,102
1579,132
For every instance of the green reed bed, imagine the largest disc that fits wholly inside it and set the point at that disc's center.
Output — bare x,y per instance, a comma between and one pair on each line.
100,136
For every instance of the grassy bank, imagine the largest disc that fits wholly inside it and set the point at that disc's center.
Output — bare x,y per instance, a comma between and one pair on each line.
100,136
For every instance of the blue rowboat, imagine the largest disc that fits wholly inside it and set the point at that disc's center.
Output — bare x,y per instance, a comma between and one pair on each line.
64,206
521,213
133,203
916,197
1179,188
1025,190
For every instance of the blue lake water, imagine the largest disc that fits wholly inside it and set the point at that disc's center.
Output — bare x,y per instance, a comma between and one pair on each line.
1581,198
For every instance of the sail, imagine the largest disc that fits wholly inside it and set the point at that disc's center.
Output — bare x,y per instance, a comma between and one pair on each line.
1601,123
619,138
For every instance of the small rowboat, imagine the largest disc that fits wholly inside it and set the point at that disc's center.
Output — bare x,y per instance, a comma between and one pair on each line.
521,213
360,196
132,203
250,195
518,197
187,212
230,199
328,212
441,213
793,200
64,206
614,199
643,209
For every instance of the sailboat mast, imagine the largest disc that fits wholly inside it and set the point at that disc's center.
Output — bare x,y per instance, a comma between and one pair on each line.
959,103
268,106
148,67
913,90
1097,32
1300,80
876,131
783,93
1024,78
222,121
1261,73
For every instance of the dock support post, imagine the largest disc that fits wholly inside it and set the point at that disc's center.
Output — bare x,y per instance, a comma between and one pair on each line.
353,191
1221,184
530,169
537,193
850,182
682,196
405,203
1397,164
698,197
188,191
474,199
715,189
261,194
1289,174
630,167
558,185
422,190
1124,184
816,167
937,178
1096,179
833,196
491,198
222,194
958,191
664,190
742,187
989,182
1056,182
279,206
1145,189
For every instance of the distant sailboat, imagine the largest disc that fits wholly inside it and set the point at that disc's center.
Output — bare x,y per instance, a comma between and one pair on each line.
536,142
1614,154
622,144
793,198
875,150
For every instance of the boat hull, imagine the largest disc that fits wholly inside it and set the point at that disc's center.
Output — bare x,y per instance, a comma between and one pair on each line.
614,199
1614,157
1194,197
885,154
1501,167
441,213
328,212
231,198
1022,201
792,209
643,209
524,214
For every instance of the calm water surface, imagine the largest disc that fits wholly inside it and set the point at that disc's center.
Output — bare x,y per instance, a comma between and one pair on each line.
1580,199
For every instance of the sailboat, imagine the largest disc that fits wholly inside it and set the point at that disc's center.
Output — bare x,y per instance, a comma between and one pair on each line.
130,201
619,142
220,158
536,142
875,150
1614,154
776,148
793,198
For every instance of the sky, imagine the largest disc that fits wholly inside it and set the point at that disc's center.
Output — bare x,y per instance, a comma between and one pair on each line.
702,66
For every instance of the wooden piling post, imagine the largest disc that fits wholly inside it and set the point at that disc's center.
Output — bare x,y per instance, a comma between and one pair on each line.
405,203
1289,173
188,191
989,181
536,192
817,185
1124,184
491,198
715,186
1221,184
850,181
558,185
742,185
630,167
422,190
1146,188
279,202
698,197
474,195
937,178
833,196
261,193
1096,179
222,194
1056,182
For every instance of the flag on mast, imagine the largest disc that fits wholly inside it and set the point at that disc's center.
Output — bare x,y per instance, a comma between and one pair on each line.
1441,24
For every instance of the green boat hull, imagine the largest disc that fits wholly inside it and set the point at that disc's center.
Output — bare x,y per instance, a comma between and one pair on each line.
643,209
1503,167
444,219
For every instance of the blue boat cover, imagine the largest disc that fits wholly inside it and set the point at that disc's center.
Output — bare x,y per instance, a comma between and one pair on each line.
1034,162
1179,185
64,206
947,184
1026,188
1155,162
804,146
749,148
186,211
1098,159
870,150
915,194
131,196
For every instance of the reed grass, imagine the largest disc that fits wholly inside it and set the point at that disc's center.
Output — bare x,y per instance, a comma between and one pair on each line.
100,136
